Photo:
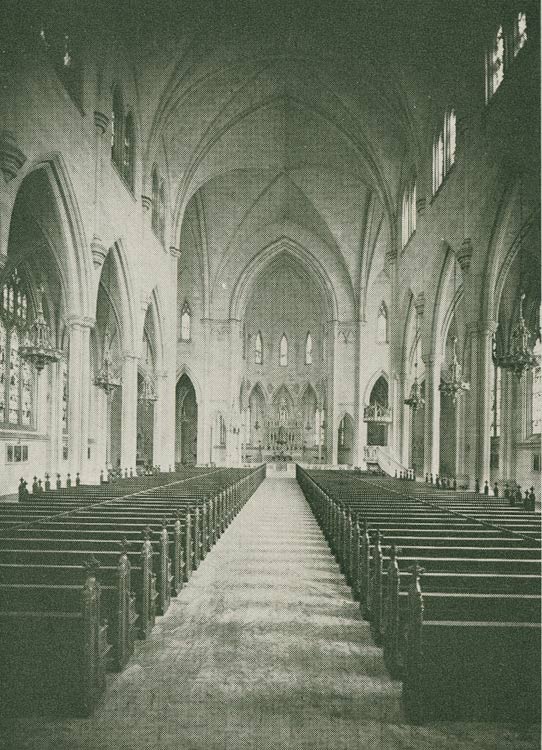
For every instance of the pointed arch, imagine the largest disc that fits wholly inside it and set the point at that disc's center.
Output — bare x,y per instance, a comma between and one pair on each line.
308,348
283,351
258,349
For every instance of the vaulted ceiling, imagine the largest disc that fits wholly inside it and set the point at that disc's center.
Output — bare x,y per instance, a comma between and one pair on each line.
296,119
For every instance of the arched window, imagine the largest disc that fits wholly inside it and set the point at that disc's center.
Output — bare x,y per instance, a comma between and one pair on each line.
222,432
258,349
408,226
382,325
520,32
308,349
342,431
128,151
444,149
283,351
16,384
117,123
186,322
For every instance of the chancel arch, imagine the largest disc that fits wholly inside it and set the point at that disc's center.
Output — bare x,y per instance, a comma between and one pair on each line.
285,303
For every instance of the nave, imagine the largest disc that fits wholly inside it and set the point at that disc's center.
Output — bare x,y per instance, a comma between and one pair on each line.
264,648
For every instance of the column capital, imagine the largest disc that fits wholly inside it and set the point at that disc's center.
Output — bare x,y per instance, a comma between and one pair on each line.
146,202
11,156
481,327
99,251
81,321
420,206
464,254
101,121
419,304
175,252
129,355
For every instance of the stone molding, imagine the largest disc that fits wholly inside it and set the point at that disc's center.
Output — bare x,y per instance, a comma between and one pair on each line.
175,252
101,121
464,254
81,321
11,156
99,251
146,202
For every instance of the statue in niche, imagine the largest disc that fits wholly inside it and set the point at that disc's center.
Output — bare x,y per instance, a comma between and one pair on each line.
283,411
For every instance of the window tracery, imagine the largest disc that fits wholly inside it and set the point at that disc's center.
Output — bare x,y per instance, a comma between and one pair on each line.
258,349
308,349
16,380
283,351
186,322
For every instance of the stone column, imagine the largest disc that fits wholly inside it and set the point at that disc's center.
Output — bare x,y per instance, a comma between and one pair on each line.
506,443
129,411
432,415
478,407
331,425
78,393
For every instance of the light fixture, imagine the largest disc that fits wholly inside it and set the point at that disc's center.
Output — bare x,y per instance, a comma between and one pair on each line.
416,399
519,358
106,378
452,384
37,348
147,393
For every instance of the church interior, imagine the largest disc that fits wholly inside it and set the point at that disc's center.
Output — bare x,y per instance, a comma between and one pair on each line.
270,374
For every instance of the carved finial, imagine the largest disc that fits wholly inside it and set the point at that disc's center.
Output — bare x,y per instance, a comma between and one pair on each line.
91,565
124,545
146,532
164,523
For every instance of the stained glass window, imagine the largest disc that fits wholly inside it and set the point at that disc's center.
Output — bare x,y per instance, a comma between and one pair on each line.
520,32
283,351
444,149
186,317
408,225
16,381
308,349
382,325
495,64
258,350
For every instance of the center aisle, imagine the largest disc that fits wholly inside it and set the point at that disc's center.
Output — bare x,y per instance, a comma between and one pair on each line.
263,650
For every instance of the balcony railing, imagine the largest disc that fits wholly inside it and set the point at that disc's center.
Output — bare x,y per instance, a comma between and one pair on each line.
377,413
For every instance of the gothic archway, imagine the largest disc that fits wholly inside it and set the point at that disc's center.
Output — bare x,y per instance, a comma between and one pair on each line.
186,444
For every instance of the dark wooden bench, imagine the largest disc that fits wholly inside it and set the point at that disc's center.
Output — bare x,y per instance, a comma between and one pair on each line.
53,648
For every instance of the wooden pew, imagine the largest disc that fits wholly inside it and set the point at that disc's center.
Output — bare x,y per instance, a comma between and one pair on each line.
461,665
142,578
53,648
117,601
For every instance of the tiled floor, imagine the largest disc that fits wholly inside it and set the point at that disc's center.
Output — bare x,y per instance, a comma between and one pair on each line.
263,650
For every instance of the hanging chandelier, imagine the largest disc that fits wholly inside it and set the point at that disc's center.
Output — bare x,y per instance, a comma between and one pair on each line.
147,393
416,399
453,384
519,358
106,379
37,348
